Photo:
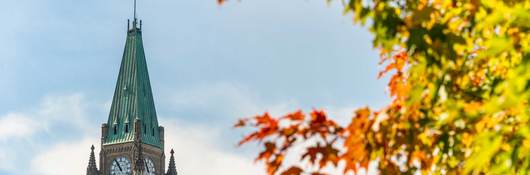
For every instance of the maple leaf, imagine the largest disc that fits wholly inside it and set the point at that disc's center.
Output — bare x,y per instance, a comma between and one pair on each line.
270,149
312,153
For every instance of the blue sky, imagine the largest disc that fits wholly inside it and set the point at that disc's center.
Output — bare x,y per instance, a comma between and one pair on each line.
209,65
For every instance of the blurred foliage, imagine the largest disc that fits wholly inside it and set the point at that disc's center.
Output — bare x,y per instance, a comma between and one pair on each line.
459,81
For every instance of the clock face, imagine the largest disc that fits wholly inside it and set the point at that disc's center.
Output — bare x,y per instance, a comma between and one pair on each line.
120,166
149,167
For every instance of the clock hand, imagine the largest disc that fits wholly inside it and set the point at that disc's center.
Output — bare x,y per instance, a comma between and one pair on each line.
147,167
118,165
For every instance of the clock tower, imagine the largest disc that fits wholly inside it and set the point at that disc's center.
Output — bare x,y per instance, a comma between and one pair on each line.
132,142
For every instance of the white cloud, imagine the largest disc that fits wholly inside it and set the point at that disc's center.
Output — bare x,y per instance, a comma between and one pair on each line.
196,145
68,109
22,132
198,151
71,109
15,125
64,158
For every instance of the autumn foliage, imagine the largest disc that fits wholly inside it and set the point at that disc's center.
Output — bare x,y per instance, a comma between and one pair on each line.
459,78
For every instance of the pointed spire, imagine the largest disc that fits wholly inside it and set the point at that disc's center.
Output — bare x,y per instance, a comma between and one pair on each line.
172,170
92,169
133,97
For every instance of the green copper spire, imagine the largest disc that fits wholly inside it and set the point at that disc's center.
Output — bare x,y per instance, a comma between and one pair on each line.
133,99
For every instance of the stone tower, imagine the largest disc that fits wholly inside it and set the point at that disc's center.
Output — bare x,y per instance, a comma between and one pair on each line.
132,142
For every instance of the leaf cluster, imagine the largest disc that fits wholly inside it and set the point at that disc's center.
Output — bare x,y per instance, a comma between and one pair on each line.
459,81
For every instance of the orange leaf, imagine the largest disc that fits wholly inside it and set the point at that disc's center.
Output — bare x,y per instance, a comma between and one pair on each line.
295,116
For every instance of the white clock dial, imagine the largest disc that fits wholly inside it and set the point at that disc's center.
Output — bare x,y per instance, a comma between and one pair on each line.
149,167
120,166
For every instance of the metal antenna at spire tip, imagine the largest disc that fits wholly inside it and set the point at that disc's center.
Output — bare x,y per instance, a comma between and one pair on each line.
134,9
